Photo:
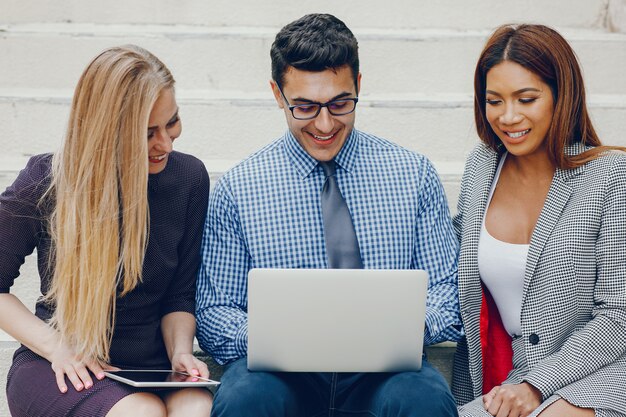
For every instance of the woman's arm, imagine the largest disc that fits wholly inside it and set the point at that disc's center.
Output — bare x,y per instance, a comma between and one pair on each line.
39,337
178,324
178,330
20,231
25,327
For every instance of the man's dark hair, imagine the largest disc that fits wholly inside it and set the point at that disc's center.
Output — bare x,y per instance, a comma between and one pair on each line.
315,42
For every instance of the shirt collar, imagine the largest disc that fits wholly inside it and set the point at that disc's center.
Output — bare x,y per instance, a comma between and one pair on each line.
346,158
305,164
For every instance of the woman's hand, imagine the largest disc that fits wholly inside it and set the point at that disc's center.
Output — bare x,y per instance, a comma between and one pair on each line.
65,362
17,320
178,330
186,362
512,400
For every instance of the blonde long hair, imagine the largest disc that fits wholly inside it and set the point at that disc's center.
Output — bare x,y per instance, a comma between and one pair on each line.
99,224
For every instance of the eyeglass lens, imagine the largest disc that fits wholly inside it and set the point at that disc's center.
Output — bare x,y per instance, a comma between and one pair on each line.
336,108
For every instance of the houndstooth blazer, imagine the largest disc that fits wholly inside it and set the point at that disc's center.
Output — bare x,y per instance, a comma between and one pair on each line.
574,298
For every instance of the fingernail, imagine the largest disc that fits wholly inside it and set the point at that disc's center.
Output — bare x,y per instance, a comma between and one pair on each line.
100,376
87,385
63,389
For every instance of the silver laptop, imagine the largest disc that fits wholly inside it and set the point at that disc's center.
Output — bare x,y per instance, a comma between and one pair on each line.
336,320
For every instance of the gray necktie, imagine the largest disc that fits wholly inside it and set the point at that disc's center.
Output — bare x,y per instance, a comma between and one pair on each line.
342,245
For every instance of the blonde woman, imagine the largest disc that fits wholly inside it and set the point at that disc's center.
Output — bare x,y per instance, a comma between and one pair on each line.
116,217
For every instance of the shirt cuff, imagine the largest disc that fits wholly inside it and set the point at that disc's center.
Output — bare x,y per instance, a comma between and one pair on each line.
435,324
241,340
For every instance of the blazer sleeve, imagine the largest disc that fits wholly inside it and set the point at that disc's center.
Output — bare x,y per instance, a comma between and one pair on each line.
468,172
603,339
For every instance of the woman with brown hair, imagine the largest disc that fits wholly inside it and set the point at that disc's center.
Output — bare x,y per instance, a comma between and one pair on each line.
116,217
542,225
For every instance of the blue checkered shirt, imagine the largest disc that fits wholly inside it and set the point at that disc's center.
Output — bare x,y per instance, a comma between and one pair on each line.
265,213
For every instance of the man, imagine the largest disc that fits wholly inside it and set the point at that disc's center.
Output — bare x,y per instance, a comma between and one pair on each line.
269,212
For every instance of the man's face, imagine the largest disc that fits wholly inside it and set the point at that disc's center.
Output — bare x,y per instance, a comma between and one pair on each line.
323,136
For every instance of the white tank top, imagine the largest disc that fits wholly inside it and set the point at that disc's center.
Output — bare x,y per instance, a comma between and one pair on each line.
501,266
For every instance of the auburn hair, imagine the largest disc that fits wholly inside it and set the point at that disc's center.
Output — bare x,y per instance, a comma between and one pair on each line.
544,52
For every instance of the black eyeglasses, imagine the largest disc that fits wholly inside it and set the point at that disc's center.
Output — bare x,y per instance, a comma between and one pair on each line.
309,111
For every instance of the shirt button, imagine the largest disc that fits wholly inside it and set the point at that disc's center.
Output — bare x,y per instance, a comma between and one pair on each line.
533,339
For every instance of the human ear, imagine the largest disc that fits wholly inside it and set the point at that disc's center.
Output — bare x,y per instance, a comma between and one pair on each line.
277,94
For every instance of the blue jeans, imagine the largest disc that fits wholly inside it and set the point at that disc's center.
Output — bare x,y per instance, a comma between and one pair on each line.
285,394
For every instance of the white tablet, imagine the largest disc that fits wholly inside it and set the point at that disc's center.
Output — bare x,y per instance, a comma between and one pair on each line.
159,378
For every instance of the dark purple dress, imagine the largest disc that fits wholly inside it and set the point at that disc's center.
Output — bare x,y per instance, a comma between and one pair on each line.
178,201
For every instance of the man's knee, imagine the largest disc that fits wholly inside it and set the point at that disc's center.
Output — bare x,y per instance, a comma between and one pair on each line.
240,393
249,400
245,393
413,393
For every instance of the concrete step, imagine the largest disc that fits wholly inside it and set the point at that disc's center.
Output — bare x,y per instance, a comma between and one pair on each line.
400,13
52,55
229,125
449,172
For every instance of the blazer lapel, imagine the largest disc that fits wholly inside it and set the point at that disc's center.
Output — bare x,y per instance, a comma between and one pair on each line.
473,217
558,196
556,200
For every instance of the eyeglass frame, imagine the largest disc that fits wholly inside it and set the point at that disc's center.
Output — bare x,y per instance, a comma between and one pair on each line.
319,105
